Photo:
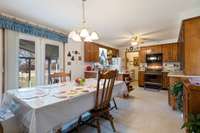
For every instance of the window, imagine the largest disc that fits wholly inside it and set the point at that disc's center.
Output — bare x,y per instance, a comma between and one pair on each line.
27,73
31,60
103,56
52,63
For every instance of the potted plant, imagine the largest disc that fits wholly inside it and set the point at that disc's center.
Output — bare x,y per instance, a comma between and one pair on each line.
177,96
193,124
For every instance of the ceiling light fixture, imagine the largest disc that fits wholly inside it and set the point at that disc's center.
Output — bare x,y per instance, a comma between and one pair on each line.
83,34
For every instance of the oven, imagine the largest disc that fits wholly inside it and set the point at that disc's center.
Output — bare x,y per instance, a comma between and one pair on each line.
153,72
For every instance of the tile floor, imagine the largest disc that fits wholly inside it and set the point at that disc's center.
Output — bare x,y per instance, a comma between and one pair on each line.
144,112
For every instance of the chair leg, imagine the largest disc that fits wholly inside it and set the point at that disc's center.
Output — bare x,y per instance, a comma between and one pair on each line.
110,118
115,105
98,126
79,124
58,131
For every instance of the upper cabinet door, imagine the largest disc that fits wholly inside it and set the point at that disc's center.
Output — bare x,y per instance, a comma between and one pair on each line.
170,52
142,55
91,53
174,52
166,49
154,49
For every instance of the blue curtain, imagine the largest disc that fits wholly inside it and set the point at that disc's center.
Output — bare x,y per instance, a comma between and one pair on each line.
12,24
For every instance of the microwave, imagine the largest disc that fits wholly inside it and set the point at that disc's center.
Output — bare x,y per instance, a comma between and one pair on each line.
154,58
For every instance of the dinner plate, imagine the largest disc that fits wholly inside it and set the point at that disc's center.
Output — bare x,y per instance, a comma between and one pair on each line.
60,96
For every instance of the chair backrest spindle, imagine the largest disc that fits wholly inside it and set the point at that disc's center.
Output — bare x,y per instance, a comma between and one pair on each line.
104,89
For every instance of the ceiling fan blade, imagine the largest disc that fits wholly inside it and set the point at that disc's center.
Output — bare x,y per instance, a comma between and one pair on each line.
155,31
150,39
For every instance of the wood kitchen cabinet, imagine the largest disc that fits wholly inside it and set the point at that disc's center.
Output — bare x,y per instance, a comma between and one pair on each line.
91,52
141,78
189,43
170,52
191,99
154,49
165,80
142,55
115,52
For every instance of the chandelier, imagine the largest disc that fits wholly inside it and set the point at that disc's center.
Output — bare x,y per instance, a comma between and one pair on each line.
83,34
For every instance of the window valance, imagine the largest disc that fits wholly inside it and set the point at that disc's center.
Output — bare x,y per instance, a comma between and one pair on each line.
15,25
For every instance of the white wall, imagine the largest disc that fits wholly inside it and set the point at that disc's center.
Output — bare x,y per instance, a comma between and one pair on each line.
76,67
11,60
189,14
122,55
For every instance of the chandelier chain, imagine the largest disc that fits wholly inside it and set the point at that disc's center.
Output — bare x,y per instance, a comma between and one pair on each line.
83,15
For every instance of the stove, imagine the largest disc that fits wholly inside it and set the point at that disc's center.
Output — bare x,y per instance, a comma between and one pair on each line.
153,73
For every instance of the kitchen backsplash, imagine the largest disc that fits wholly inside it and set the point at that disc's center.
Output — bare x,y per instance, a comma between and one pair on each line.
142,66
171,66
167,66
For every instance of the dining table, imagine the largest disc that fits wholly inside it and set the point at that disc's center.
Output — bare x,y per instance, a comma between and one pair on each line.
40,109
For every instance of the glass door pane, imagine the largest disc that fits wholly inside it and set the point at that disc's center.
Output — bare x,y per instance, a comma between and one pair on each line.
51,61
27,73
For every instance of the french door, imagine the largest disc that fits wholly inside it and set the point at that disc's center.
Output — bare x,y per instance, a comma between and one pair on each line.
53,59
37,59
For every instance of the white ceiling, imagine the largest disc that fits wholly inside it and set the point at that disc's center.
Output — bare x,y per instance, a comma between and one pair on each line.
114,20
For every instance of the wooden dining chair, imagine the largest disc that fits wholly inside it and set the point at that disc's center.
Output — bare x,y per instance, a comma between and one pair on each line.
60,76
105,84
1,128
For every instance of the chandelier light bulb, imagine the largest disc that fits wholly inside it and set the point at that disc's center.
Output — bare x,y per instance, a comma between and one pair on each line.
94,36
84,33
76,38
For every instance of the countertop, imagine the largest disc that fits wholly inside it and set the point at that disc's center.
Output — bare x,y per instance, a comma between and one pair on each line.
181,75
164,71
92,71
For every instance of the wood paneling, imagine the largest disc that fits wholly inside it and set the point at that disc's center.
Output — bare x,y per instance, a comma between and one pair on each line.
192,46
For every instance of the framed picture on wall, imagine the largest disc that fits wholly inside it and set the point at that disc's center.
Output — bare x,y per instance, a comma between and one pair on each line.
136,61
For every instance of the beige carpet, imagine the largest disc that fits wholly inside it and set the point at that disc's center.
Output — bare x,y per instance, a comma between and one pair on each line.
145,112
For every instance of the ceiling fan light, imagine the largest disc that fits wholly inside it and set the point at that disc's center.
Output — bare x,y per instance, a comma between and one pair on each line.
94,36
84,33
134,43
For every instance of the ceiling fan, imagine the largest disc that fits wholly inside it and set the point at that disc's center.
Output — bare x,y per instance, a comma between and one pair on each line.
138,39
135,39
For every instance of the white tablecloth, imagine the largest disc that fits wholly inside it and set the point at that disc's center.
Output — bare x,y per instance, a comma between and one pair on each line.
41,114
